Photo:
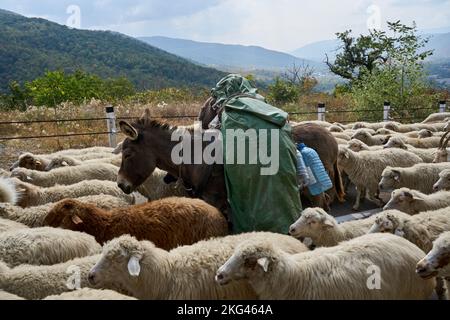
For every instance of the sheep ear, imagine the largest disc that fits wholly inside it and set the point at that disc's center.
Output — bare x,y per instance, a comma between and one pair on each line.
396,175
128,130
264,263
29,178
65,164
399,232
38,162
328,224
346,154
76,219
134,268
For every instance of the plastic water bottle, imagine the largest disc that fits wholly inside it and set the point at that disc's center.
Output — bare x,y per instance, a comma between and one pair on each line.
302,172
319,179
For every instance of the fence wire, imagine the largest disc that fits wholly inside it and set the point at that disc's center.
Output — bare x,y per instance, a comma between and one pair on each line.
328,112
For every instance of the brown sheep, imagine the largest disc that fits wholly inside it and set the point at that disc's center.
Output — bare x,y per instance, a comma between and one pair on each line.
168,223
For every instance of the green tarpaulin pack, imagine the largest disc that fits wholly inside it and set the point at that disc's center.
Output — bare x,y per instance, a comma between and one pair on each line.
261,181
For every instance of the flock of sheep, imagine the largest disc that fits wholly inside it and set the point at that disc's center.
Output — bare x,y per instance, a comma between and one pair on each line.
68,232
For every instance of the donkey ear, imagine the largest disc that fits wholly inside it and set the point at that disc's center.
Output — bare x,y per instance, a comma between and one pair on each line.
128,130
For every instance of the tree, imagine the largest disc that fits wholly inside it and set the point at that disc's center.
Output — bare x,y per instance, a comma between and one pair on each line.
282,92
302,77
399,78
368,52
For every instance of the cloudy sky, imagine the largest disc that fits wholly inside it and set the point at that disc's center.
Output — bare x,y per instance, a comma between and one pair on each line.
275,24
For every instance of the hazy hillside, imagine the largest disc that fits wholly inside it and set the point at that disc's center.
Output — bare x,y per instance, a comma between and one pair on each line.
226,57
316,51
31,46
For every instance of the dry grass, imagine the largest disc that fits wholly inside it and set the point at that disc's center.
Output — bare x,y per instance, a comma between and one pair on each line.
11,149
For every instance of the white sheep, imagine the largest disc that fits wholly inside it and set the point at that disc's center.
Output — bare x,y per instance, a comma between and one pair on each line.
413,202
323,229
341,135
9,296
4,173
427,155
6,225
154,188
90,294
436,262
404,128
183,273
421,229
367,125
335,128
8,193
421,177
364,168
45,246
31,195
423,143
357,145
38,282
77,152
67,175
365,136
436,117
67,161
444,181
34,216
342,272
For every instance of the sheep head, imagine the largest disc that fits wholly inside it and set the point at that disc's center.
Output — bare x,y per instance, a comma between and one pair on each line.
393,126
344,156
396,142
57,162
444,181
404,200
311,223
437,261
390,179
335,128
68,214
425,133
357,145
391,221
30,161
120,254
363,135
249,260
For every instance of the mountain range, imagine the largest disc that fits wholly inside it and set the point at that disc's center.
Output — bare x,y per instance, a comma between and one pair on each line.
31,46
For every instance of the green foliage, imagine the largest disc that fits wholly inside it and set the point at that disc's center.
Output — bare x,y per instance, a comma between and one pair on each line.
282,92
56,87
386,68
31,46
368,52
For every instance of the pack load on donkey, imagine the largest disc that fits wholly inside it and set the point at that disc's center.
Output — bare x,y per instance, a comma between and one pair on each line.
261,197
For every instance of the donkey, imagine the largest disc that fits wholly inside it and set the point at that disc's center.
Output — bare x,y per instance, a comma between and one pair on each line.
149,145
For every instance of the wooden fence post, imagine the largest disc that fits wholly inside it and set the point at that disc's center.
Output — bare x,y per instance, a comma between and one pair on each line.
386,111
321,112
111,124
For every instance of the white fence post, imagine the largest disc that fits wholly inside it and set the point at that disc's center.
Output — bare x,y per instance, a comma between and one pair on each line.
442,106
386,110
321,112
111,124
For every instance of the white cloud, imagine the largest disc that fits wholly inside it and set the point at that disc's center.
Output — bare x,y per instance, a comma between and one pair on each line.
276,24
